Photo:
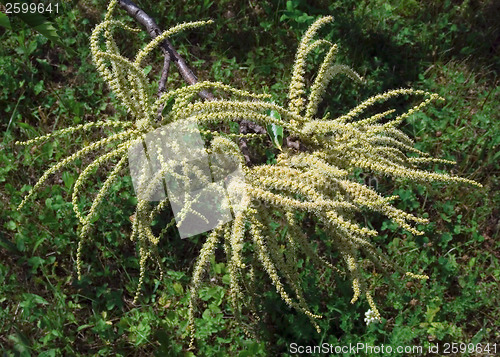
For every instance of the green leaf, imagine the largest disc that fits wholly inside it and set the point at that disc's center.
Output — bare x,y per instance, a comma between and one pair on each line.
226,279
178,289
37,299
276,134
168,106
4,21
38,87
275,131
215,293
37,243
49,353
40,24
11,225
20,243
35,263
218,268
82,327
26,126
21,343
68,179
147,69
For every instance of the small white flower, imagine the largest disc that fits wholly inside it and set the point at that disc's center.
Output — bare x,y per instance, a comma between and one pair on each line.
370,317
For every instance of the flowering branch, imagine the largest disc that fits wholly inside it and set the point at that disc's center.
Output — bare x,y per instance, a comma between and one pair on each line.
313,176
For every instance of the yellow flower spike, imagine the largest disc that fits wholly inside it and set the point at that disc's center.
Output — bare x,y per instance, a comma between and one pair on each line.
74,129
93,210
71,158
353,268
85,175
111,7
417,276
373,306
297,83
319,85
266,260
377,99
157,40
204,257
144,254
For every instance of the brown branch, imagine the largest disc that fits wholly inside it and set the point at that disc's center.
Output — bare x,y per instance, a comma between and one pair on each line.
163,82
153,30
245,128
164,75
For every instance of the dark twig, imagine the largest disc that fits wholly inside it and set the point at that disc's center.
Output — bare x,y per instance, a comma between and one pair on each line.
163,81
164,75
246,127
152,28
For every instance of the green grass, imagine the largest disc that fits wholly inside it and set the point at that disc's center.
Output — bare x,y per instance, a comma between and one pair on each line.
447,47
